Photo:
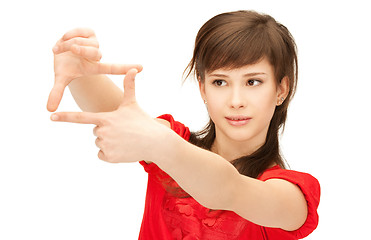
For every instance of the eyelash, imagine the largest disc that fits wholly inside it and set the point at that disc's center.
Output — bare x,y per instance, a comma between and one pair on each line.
215,82
255,81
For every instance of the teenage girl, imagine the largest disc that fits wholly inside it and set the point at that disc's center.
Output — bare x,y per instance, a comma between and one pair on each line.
227,181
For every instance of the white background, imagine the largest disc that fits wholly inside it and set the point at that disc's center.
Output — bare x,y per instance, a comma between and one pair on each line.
53,186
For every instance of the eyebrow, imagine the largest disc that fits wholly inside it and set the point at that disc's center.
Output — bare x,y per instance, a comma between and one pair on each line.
245,75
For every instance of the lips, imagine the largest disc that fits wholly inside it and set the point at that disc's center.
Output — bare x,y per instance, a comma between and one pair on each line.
238,120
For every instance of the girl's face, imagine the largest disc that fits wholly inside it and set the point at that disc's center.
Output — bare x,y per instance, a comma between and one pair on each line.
241,102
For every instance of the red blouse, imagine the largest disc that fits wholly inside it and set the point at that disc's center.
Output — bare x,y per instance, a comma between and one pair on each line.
168,217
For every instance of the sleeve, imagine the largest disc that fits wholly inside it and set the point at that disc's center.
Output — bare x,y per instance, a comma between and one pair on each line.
311,190
177,127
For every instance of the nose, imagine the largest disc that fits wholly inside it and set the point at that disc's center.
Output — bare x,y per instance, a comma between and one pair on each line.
237,99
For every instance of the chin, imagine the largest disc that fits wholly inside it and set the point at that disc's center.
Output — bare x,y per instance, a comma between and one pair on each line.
241,139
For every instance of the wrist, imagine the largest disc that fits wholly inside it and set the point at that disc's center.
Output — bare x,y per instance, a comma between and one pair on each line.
165,147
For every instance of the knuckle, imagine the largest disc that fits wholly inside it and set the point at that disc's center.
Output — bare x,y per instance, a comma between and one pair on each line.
102,145
94,43
110,157
99,132
78,41
102,132
97,143
82,51
73,41
95,130
79,117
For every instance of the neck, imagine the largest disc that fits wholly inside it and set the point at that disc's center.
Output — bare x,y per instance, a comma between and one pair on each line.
231,149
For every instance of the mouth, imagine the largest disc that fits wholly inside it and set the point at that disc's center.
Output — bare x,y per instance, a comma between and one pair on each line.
238,120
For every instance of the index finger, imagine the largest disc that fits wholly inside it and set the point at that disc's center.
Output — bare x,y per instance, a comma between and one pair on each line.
77,117
78,32
116,69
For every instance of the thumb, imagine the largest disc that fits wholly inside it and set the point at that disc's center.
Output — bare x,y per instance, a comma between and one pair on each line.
55,96
129,87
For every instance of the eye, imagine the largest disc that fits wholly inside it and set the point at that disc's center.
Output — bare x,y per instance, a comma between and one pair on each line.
219,83
253,82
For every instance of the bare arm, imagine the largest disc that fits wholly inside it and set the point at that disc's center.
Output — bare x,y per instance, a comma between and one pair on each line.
216,184
96,93
209,178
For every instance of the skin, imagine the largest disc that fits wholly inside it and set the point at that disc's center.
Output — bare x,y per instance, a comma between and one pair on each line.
250,91
77,65
124,131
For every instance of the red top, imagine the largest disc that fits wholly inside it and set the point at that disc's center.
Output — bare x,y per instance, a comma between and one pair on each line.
168,217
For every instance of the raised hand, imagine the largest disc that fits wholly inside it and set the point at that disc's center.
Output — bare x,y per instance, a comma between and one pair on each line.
76,55
125,135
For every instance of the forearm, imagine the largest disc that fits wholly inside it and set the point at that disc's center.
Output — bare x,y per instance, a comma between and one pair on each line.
206,176
96,93
216,184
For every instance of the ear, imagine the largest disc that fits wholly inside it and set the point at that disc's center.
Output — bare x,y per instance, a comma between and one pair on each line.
283,88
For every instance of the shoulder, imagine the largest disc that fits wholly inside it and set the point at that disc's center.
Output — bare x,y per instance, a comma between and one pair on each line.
163,122
302,179
178,127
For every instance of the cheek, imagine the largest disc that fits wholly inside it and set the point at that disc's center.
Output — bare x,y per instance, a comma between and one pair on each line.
265,104
214,104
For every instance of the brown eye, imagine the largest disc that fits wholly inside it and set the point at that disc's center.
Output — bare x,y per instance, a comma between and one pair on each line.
253,82
219,83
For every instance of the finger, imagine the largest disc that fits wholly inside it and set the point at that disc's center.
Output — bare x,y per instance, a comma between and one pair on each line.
78,117
129,86
95,131
91,53
98,143
65,46
101,155
56,48
117,69
55,96
78,32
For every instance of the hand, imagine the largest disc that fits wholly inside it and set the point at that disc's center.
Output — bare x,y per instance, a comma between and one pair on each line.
125,135
76,55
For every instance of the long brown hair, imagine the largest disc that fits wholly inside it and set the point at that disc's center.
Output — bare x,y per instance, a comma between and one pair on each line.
236,39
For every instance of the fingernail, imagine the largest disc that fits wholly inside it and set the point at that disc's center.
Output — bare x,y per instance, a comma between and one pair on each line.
54,117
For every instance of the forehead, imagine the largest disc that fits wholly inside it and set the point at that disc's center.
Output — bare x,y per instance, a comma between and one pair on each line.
262,67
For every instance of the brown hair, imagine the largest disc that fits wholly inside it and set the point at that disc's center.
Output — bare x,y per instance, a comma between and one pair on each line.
236,39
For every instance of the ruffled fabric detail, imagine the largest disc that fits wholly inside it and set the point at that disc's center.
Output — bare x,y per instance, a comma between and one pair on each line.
170,213
187,219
